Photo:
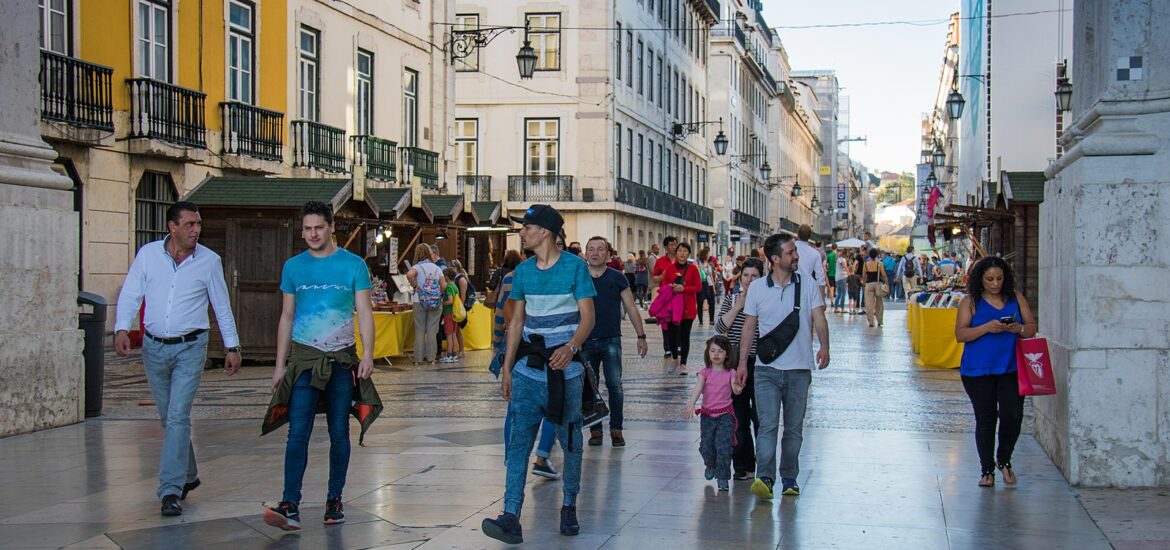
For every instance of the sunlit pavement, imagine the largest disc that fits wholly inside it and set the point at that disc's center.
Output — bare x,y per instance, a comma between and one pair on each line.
888,462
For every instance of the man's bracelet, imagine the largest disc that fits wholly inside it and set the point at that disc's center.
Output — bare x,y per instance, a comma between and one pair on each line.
641,336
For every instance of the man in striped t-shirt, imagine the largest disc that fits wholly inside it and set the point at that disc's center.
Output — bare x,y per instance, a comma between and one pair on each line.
553,315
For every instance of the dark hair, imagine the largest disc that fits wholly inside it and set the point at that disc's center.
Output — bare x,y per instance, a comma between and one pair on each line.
872,253
317,208
721,341
450,273
773,245
670,239
175,211
511,260
909,249
802,233
975,280
754,263
599,238
683,245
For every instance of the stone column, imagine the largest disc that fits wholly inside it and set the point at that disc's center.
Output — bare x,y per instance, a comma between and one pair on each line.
41,366
1105,255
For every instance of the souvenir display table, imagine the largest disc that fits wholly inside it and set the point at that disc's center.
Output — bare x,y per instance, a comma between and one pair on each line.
931,320
394,331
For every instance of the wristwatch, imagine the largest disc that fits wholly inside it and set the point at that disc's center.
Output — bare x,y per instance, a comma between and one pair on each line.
233,349
574,349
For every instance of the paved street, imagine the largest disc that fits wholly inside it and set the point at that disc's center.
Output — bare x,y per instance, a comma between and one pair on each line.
888,462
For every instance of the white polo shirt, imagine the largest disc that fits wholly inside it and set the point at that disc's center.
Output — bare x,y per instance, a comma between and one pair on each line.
771,303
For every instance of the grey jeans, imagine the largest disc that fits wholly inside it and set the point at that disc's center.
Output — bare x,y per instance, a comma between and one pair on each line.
426,324
173,372
780,391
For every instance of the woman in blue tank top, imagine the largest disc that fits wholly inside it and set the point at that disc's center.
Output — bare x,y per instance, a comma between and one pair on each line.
990,320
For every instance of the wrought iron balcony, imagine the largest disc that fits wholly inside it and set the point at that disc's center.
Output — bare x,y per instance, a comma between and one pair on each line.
422,164
540,188
740,36
167,112
481,186
76,92
379,156
747,221
641,196
252,131
713,5
316,145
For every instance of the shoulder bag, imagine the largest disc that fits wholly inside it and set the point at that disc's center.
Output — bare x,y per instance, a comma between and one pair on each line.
772,345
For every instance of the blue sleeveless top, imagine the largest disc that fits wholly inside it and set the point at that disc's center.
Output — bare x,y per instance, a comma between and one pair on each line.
991,353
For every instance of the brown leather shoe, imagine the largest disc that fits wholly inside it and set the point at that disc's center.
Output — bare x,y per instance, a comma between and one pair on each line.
616,437
595,438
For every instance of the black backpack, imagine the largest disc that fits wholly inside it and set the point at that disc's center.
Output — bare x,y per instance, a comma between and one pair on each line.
908,269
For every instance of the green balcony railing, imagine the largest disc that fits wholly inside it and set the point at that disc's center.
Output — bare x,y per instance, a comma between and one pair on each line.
422,164
540,188
316,145
379,157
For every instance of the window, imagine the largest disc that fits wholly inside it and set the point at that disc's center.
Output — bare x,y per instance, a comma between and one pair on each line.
630,153
466,22
666,89
661,173
545,34
467,146
541,146
649,165
640,160
154,39
630,59
307,97
241,76
618,60
156,192
650,75
55,25
665,186
617,139
364,102
659,81
674,176
409,108
640,63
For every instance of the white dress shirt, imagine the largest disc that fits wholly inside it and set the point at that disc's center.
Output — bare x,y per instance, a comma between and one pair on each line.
176,295
810,263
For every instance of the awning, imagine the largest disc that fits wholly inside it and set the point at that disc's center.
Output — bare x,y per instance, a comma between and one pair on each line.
231,191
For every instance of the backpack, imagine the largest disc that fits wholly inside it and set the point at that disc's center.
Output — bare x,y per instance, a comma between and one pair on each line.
429,295
908,267
470,291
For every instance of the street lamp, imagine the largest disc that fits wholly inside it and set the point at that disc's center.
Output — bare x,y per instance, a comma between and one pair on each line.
526,60
720,144
681,130
955,101
765,170
940,157
464,42
931,180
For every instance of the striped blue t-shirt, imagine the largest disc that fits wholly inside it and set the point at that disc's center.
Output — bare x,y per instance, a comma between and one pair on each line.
550,305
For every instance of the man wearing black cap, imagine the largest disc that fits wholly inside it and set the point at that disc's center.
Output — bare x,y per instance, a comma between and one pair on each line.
543,375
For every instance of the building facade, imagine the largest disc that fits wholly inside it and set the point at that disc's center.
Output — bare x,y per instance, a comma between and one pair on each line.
592,132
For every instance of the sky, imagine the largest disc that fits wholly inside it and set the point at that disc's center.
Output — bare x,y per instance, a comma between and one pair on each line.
889,72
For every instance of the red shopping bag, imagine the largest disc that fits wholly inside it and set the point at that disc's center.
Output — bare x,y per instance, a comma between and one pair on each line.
1034,367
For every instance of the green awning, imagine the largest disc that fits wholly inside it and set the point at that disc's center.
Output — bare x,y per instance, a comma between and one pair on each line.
486,212
442,206
391,200
1023,187
261,191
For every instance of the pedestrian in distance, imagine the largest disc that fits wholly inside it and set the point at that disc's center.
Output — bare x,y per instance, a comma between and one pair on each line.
853,284
841,280
991,319
716,384
730,324
178,277
603,350
831,273
450,327
503,316
908,271
683,278
321,288
875,277
706,293
794,307
641,278
552,318
657,281
467,296
429,282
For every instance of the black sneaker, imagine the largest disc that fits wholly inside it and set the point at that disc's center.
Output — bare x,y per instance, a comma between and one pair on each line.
171,506
505,528
333,511
569,525
285,516
187,488
742,475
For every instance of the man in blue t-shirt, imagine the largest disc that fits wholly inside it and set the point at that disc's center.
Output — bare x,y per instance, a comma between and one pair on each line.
321,288
553,315
604,346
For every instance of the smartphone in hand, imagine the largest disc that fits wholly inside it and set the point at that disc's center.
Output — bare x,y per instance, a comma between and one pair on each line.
1007,320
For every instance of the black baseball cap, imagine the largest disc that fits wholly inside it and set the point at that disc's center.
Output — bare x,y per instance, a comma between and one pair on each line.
545,216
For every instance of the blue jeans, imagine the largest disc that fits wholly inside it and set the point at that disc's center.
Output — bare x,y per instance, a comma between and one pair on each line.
608,353
173,371
528,411
547,435
841,295
778,390
302,407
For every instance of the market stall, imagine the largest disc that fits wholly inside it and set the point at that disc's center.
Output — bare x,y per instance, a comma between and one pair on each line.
394,331
931,319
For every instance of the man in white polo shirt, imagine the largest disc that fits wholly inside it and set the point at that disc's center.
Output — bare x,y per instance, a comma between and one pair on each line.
782,384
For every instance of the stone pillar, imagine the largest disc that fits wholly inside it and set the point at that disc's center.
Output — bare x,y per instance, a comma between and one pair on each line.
1105,254
41,366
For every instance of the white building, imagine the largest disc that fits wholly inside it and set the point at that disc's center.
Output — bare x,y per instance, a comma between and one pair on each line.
590,133
834,173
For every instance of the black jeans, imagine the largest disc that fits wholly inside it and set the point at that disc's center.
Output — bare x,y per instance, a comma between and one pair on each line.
743,456
679,340
995,397
707,294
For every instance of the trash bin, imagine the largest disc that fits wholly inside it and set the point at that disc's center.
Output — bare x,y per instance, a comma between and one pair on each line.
94,325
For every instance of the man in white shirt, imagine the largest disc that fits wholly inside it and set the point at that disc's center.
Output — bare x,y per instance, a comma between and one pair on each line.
812,263
178,277
782,384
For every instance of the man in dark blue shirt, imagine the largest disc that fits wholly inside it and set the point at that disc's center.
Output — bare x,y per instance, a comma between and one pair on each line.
604,346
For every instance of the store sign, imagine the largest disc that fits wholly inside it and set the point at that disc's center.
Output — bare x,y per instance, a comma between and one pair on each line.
826,170
703,237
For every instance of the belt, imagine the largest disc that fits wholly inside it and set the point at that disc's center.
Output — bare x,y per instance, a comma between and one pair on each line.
189,337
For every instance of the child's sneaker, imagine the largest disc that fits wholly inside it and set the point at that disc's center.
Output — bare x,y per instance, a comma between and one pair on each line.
285,516
333,511
723,485
505,528
762,487
709,473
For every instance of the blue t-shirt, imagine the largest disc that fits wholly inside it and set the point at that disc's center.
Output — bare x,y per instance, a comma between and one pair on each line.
503,291
607,305
550,305
324,289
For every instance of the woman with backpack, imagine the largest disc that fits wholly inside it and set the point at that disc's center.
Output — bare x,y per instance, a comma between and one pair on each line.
428,282
466,294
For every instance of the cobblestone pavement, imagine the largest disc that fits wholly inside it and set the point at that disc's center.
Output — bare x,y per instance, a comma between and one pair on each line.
888,462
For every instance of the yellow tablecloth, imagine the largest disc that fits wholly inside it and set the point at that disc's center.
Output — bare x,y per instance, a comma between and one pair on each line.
394,332
936,344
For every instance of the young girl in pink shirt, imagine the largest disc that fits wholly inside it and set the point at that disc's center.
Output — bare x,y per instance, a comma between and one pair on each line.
716,383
